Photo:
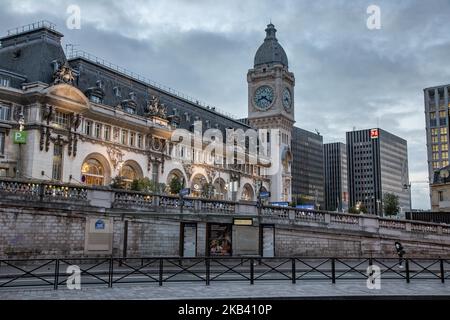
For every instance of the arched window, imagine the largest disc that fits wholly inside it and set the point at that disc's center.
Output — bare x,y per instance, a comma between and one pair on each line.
128,174
93,172
247,193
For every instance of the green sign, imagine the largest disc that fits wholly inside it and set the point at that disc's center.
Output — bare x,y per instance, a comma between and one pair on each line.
20,137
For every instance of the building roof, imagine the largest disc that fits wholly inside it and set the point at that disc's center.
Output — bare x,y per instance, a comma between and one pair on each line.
270,51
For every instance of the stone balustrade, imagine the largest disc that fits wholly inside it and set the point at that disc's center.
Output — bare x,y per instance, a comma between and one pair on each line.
107,198
43,191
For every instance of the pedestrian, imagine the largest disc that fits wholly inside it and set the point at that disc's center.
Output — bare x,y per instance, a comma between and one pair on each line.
400,252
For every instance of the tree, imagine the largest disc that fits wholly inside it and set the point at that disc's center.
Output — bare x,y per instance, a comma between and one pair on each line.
175,185
143,184
390,204
358,208
118,183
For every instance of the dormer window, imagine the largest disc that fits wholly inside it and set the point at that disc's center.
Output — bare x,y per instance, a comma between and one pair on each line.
130,109
132,95
187,117
99,84
4,82
95,99
208,124
117,92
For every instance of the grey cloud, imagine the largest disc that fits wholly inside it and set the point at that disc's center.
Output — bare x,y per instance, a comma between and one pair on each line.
346,75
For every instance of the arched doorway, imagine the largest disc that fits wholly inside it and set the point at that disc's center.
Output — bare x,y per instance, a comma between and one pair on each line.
247,193
219,189
199,186
95,170
130,171
93,173
175,181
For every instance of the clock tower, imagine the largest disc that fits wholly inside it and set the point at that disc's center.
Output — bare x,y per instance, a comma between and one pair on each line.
271,107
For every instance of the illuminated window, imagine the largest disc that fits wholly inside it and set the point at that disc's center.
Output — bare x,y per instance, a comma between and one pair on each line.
444,155
435,155
444,138
444,130
442,114
445,163
444,147
434,131
93,172
57,161
128,174
432,115
434,139
435,148
436,164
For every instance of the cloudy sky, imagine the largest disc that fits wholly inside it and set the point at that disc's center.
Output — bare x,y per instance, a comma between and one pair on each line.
346,75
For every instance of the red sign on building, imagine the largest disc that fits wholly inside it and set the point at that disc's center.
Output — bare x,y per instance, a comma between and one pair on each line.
374,133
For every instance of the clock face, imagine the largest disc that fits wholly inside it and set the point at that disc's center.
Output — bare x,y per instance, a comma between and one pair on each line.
263,97
287,99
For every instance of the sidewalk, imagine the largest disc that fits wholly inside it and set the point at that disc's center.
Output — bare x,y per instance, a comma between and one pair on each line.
227,290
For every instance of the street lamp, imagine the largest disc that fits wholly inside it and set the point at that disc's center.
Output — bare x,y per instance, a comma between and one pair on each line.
21,122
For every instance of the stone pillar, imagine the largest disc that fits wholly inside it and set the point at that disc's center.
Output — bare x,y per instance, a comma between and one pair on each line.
201,239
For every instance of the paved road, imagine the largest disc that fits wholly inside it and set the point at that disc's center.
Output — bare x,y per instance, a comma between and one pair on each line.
237,290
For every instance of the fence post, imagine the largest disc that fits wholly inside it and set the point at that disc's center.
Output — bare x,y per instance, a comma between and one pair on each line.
252,271
441,262
55,285
161,264
407,269
208,270
111,271
333,271
294,276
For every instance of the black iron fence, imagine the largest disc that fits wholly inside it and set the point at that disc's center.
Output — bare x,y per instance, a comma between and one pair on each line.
159,270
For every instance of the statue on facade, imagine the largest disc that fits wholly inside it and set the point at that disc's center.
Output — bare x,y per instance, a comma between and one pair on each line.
64,74
156,109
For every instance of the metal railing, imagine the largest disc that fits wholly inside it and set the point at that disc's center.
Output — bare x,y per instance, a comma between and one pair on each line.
32,26
77,53
159,270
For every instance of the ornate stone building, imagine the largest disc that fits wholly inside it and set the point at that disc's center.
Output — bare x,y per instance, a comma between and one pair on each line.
72,117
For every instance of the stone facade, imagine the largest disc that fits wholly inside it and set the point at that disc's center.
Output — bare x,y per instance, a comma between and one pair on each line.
38,228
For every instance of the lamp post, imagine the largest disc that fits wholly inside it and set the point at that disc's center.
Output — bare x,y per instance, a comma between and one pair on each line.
21,122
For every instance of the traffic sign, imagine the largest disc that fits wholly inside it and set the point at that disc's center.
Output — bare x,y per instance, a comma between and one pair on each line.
20,137
264,194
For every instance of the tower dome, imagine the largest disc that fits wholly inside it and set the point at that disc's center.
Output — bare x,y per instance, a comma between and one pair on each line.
270,51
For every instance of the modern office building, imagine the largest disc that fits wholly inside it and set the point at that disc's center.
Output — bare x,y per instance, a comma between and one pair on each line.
377,164
436,120
307,168
335,176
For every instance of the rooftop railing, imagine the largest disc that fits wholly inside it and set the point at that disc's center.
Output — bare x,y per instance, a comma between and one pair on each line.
31,26
76,53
